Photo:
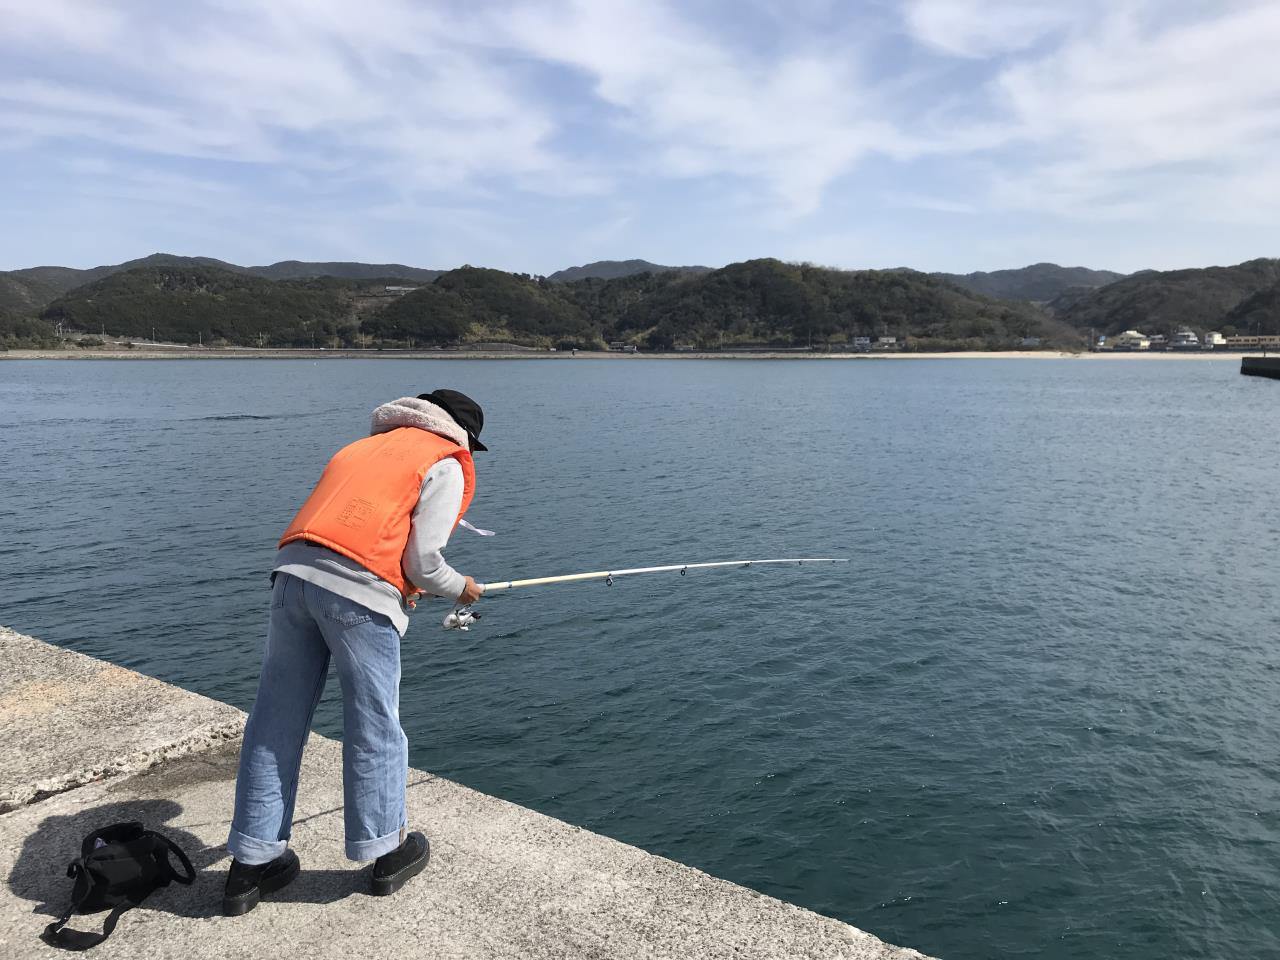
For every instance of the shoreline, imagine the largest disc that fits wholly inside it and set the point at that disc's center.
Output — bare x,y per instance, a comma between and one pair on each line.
253,353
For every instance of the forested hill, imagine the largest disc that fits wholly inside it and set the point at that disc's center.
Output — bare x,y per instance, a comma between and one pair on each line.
614,269
191,304
24,296
19,289
1167,301
1039,282
757,303
298,270
768,301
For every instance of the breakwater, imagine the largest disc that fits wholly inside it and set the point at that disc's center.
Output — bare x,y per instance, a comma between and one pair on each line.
91,744
1261,367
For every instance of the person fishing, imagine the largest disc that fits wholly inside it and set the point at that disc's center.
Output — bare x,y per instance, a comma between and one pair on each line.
367,542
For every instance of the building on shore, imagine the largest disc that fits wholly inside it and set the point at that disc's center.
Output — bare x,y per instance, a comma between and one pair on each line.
1130,340
1270,342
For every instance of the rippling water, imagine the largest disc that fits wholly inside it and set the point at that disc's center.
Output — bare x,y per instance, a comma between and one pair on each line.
1034,717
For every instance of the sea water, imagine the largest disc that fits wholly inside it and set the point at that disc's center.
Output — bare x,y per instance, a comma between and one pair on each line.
1035,716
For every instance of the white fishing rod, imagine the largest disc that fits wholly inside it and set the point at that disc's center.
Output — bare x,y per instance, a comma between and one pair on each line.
461,618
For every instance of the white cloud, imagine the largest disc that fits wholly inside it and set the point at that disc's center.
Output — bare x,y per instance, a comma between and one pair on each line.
984,28
1139,117
1124,110
429,97
379,88
793,122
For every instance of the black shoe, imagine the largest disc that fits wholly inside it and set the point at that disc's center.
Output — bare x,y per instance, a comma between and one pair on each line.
246,885
393,870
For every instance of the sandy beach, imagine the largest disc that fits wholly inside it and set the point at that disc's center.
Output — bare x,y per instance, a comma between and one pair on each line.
251,353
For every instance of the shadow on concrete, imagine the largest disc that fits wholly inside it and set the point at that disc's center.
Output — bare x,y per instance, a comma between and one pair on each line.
39,872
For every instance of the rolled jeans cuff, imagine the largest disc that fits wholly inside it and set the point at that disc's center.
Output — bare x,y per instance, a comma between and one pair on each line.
373,849
252,852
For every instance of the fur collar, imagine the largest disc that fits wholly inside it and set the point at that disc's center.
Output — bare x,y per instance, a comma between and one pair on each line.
423,414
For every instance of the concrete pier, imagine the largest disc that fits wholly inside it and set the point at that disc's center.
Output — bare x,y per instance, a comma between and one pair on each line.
1261,367
91,744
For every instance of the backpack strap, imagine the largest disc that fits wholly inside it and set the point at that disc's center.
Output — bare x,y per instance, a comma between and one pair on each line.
182,858
55,935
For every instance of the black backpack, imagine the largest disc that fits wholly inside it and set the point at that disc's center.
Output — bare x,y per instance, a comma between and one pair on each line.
119,866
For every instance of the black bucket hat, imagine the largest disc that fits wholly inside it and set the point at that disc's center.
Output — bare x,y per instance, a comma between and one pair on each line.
465,412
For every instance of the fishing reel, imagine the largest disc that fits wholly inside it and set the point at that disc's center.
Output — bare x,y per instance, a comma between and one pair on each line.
460,618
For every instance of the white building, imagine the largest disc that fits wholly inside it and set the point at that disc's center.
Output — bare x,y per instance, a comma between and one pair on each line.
1130,340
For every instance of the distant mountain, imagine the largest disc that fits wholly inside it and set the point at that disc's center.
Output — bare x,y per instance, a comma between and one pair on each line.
297,269
613,269
1164,301
759,303
756,303
769,302
62,279
24,296
1040,282
31,289
190,303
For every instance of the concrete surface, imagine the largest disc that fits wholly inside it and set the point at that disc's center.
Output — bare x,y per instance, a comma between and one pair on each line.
1261,367
69,719
503,881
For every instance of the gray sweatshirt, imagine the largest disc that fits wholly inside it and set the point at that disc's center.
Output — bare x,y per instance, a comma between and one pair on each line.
423,561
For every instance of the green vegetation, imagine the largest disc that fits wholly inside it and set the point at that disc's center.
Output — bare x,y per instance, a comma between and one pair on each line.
1040,282
25,333
210,305
1172,300
781,304
757,304
1256,315
24,296
36,287
480,305
298,270
616,269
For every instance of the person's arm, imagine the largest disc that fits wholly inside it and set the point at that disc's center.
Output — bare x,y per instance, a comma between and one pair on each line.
423,562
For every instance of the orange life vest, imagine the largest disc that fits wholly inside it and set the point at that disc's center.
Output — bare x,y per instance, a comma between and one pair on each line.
363,505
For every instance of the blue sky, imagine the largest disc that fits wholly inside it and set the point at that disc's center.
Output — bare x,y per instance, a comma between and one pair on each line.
942,134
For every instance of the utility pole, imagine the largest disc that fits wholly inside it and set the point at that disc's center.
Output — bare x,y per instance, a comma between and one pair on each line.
200,338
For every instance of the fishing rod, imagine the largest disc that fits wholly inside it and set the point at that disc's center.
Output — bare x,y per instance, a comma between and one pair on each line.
461,618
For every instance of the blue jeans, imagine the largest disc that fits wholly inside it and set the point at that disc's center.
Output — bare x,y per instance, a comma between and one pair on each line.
310,626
